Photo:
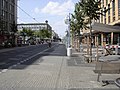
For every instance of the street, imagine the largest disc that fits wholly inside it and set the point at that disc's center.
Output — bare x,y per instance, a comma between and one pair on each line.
28,54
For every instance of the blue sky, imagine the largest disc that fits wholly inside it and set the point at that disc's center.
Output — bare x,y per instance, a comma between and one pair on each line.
55,11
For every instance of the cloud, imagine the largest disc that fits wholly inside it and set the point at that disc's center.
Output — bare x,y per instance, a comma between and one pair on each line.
55,8
36,10
59,27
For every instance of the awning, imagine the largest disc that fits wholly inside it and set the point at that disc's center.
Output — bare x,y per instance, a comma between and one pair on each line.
99,27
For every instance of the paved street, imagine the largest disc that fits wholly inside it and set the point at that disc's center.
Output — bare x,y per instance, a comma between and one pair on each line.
9,57
51,69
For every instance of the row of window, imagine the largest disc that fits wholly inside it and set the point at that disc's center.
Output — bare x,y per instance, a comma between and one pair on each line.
33,27
7,14
7,10
113,12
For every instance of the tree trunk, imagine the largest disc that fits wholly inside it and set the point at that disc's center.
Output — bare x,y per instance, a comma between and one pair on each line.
79,41
90,41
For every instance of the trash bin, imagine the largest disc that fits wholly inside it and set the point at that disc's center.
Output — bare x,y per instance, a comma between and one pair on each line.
69,52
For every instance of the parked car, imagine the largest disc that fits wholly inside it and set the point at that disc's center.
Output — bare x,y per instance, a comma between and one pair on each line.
7,43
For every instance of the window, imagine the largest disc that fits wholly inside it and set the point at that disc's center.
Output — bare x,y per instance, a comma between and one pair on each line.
108,19
104,12
109,9
105,20
114,18
109,13
101,17
113,7
106,2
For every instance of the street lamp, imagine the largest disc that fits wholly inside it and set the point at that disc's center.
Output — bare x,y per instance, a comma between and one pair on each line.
67,21
69,49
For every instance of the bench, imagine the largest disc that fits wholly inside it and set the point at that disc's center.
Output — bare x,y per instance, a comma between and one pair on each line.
117,82
108,65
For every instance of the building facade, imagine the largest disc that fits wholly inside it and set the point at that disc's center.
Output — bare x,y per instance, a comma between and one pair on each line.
8,21
106,30
34,26
112,17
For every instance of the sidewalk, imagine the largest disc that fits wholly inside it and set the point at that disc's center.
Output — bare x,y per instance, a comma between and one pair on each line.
55,73
88,74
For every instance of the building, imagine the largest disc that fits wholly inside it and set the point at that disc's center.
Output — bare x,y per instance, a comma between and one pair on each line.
55,36
107,29
34,26
8,21
112,17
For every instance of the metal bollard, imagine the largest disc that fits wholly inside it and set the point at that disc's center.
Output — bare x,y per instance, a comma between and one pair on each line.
116,50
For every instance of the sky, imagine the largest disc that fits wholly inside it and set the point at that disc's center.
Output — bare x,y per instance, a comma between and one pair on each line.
55,11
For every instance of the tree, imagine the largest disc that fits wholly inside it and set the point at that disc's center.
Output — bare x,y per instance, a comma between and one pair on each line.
28,32
91,10
77,22
45,34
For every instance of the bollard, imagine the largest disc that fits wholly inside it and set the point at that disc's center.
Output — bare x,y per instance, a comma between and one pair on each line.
69,52
116,50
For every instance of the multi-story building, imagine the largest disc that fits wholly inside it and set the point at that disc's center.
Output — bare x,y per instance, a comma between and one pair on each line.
112,17
8,21
107,28
35,27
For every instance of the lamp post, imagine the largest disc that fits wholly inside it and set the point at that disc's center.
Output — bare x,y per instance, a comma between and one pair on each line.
67,21
69,49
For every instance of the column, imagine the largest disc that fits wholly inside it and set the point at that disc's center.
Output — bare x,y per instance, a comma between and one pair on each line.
111,38
95,40
102,41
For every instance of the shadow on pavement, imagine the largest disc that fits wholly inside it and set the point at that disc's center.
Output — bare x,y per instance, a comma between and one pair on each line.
58,50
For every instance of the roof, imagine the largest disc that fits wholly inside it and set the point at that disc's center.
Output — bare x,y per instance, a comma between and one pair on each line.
99,27
33,24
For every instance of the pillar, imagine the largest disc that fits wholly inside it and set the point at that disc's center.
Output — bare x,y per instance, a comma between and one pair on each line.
111,38
102,41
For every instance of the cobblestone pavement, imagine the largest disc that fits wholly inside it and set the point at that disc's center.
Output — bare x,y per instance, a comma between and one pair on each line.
54,73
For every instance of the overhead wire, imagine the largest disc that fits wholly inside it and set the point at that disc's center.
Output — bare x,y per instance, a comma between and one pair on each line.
25,12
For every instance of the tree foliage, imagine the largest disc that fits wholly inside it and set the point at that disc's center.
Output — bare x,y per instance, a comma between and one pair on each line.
86,9
27,32
44,34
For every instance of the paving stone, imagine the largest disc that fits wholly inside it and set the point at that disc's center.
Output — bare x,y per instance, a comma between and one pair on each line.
53,73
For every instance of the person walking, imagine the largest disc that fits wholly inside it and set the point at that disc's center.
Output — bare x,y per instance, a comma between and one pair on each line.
49,44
